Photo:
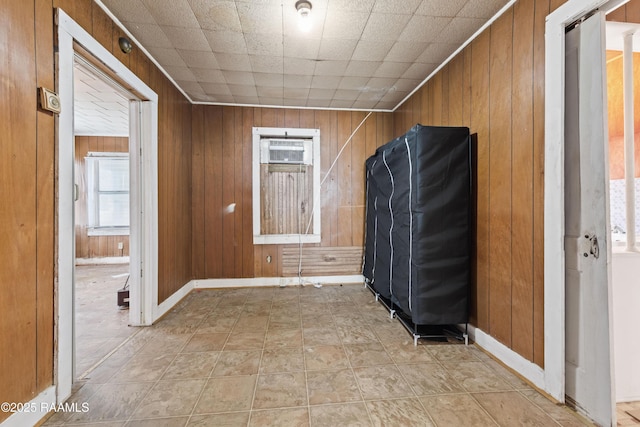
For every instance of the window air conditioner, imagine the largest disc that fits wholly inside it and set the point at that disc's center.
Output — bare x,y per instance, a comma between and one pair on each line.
287,151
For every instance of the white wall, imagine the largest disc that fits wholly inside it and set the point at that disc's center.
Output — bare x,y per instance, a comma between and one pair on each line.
626,321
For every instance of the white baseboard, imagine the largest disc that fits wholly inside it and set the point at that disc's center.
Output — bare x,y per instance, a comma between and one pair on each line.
529,370
103,260
274,281
162,309
38,408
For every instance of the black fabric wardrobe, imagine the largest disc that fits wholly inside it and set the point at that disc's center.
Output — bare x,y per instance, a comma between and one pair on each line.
417,244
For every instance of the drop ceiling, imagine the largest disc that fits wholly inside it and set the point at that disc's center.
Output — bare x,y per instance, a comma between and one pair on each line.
358,54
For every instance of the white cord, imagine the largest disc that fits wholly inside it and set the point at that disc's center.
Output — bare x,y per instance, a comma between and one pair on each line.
317,202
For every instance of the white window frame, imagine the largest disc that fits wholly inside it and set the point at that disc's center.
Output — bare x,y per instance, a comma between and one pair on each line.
93,196
268,239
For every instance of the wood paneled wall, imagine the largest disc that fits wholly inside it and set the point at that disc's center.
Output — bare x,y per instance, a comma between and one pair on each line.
495,86
222,155
27,209
27,185
95,246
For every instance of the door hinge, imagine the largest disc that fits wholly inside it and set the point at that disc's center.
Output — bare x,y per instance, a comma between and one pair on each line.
589,246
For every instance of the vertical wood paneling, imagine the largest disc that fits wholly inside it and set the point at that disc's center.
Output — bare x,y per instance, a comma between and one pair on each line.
455,91
238,199
18,210
522,179
540,13
198,191
45,239
228,191
500,292
247,195
344,182
357,178
480,127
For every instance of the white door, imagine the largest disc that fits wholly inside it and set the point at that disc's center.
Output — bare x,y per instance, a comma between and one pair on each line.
588,360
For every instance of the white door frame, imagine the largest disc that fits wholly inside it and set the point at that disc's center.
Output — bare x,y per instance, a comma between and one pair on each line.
554,259
144,197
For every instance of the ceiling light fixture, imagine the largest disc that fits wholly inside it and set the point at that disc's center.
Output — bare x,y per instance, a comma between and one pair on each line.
304,14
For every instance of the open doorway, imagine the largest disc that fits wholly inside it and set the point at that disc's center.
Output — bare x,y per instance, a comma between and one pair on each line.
102,215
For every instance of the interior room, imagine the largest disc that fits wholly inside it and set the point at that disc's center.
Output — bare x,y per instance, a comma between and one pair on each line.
276,162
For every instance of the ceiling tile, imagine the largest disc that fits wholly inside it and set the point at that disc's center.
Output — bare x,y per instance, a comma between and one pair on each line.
187,38
352,5
270,101
264,44
297,81
198,59
313,28
269,92
296,93
217,16
223,99
437,52
233,62
191,87
266,64
168,57
326,82
440,8
246,100
406,85
372,50
268,79
353,83
295,102
295,47
382,26
346,94
339,103
331,68
180,73
363,104
215,88
392,69
299,66
239,78
344,25
226,42
361,68
386,105
318,103
132,11
337,49
260,18
208,75
405,51
243,90
423,29
481,8
459,30
172,12
407,7
150,35
324,94
419,71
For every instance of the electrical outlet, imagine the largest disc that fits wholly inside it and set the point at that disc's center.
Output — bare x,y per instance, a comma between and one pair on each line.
120,245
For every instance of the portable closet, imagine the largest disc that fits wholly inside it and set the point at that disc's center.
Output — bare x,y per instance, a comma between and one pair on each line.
417,244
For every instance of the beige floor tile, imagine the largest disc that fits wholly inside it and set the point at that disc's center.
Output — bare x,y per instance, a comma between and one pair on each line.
216,325
192,365
349,414
297,417
476,376
563,415
280,391
143,367
282,360
453,353
409,353
170,398
325,357
368,354
235,419
245,341
205,342
104,424
456,410
283,338
165,343
159,422
512,409
400,412
112,402
251,323
235,363
332,387
356,334
382,382
313,337
430,378
226,394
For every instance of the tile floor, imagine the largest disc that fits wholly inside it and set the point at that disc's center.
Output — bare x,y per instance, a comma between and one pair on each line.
100,325
299,356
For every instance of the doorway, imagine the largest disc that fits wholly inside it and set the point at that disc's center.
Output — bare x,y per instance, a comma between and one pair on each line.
102,215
